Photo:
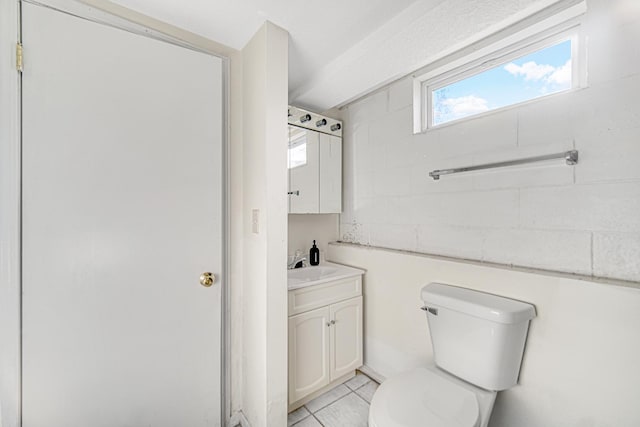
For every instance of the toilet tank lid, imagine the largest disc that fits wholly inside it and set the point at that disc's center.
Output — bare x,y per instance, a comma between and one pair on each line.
479,304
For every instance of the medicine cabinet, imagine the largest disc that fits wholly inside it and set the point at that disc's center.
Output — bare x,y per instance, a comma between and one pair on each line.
315,165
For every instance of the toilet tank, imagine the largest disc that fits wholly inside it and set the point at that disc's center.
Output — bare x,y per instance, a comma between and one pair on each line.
476,336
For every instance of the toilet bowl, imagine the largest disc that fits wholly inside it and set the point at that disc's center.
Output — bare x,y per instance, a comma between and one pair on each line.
478,343
430,397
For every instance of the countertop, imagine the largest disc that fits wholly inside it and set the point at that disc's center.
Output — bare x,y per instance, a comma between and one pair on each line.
323,273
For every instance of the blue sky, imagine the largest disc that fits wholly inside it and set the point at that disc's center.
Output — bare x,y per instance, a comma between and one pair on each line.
540,73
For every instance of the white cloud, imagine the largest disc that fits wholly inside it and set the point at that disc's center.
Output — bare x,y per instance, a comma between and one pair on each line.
561,75
465,105
530,70
558,76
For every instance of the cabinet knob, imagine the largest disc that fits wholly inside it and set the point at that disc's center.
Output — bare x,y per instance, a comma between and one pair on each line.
328,323
333,322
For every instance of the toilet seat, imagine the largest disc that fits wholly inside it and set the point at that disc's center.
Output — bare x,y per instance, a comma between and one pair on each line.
429,397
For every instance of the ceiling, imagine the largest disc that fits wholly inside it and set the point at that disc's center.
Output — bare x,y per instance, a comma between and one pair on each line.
319,31
340,50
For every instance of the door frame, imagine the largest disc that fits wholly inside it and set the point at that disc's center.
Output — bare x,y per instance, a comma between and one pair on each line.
106,13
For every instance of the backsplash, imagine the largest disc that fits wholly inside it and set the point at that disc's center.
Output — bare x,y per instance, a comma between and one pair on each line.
305,228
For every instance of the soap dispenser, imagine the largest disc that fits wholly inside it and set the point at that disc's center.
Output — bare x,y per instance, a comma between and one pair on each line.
314,254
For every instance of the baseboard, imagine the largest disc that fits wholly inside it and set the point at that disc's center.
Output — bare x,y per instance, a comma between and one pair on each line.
372,374
238,419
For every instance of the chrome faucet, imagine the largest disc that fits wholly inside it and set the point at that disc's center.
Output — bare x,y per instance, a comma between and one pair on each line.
296,260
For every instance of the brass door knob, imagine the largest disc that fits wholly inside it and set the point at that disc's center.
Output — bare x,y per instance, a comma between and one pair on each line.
207,279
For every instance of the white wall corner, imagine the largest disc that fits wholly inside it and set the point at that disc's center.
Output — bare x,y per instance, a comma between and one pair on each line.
234,316
277,176
264,367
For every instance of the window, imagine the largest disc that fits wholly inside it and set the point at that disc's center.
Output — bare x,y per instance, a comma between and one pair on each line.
543,72
509,72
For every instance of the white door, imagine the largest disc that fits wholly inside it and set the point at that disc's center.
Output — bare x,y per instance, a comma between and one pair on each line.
346,337
308,352
122,212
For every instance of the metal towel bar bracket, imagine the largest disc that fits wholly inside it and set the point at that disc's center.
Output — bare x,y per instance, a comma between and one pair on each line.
570,157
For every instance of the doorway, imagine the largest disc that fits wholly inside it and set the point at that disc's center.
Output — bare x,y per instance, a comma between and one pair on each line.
122,213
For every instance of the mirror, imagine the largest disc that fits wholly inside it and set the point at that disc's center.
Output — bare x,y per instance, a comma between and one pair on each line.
315,171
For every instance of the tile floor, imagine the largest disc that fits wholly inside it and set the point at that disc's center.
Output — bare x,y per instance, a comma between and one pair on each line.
346,405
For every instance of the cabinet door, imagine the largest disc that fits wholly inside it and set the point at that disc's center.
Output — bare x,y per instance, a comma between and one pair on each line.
304,164
346,337
330,174
308,352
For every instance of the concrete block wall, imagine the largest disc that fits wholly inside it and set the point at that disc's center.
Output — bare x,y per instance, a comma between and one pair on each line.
583,219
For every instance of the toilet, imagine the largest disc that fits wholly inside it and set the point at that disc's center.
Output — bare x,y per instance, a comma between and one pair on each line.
478,342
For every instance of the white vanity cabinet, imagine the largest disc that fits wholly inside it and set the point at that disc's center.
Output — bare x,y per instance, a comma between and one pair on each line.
345,337
309,353
325,336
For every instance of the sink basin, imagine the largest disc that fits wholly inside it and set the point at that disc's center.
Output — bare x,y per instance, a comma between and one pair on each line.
308,276
311,273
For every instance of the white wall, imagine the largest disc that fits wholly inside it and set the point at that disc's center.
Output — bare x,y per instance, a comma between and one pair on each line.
582,361
581,219
264,187
305,228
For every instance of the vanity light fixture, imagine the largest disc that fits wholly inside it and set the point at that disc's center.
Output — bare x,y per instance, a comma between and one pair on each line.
305,118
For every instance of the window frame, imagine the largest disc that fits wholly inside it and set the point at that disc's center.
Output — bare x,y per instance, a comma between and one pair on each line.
495,55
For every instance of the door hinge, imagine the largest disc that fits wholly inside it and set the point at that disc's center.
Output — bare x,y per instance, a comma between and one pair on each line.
19,56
